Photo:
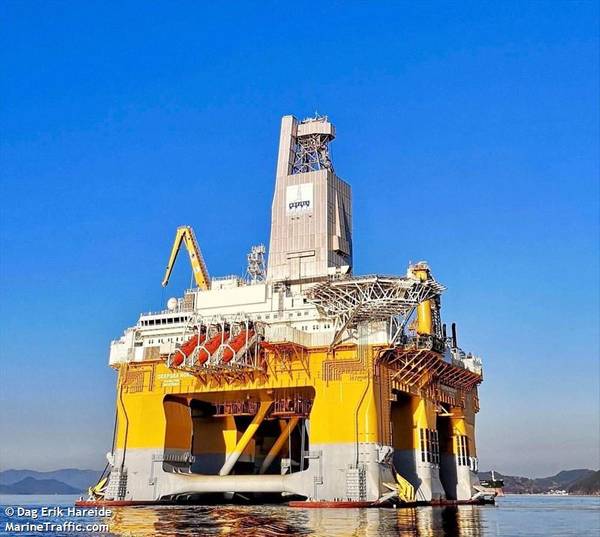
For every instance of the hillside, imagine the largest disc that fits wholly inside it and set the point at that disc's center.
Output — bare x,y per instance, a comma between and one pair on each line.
563,479
587,485
78,479
526,485
74,481
29,485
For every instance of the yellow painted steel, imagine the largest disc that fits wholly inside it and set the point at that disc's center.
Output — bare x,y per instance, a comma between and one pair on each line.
246,437
153,409
424,319
279,443
424,309
178,429
406,492
185,235
97,491
409,418
424,417
141,421
144,420
216,436
463,425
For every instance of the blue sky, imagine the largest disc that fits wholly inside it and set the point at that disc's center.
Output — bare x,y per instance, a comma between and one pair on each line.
468,131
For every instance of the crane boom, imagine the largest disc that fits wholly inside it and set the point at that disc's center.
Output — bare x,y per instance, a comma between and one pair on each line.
185,235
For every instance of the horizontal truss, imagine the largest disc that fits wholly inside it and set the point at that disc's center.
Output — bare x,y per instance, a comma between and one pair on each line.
292,406
352,301
418,368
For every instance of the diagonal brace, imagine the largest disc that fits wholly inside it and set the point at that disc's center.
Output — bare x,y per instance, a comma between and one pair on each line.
246,437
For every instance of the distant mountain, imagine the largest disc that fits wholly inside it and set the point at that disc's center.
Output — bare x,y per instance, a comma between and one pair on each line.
74,481
587,485
563,479
29,485
525,485
78,479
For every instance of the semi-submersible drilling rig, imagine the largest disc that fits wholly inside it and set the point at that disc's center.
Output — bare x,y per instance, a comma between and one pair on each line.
301,379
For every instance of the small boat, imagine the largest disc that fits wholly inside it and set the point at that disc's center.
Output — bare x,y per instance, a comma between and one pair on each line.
494,484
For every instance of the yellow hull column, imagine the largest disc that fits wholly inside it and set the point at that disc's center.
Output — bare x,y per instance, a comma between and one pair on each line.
416,445
458,457
153,435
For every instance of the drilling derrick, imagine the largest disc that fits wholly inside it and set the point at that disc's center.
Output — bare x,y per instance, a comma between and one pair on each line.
301,380
311,218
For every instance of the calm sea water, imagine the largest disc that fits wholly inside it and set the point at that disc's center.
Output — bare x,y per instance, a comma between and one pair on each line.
521,515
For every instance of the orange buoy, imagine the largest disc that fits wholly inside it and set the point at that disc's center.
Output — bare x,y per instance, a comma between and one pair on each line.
236,344
207,350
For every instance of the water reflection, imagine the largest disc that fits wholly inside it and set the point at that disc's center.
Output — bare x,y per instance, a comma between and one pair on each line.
519,516
175,521
277,521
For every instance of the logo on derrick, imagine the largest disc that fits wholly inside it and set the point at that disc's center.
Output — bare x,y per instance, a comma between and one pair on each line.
299,199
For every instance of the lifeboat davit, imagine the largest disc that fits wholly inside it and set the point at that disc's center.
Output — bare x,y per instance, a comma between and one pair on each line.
208,349
186,349
236,344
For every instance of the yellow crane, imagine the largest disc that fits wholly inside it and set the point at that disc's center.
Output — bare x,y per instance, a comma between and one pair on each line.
185,235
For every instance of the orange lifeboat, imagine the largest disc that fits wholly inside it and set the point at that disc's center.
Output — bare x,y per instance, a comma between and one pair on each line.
207,350
186,349
236,344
